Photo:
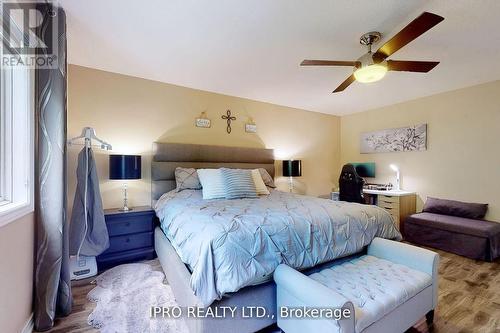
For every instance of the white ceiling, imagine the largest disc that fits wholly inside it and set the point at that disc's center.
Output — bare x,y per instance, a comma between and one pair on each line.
252,48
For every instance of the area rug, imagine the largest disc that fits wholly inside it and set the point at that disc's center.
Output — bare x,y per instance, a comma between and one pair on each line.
124,296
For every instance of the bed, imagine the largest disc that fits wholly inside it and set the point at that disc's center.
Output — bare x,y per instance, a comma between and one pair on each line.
222,253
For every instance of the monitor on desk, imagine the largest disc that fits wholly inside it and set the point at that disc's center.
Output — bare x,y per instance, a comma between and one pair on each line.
365,169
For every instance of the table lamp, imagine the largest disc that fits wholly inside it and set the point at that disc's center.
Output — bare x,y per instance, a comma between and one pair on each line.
395,168
123,167
292,168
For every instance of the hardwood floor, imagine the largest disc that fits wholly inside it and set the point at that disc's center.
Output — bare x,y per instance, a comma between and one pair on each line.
76,322
469,299
469,296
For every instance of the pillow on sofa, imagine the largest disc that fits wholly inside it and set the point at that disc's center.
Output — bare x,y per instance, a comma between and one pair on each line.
186,179
212,183
455,208
239,183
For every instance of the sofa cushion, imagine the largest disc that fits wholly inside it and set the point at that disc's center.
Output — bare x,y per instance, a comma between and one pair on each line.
461,225
455,208
374,286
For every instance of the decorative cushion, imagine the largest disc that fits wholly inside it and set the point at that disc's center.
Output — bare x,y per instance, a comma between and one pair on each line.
239,183
266,177
455,208
187,179
212,183
260,186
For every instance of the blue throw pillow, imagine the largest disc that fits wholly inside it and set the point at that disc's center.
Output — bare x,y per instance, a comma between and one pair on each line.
239,183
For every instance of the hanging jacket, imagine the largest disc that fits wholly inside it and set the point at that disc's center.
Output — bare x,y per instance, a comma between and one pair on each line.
96,239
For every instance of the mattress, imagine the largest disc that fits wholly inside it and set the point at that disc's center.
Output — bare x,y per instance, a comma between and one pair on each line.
231,244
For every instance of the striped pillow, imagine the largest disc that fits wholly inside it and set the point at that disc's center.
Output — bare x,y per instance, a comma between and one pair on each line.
239,183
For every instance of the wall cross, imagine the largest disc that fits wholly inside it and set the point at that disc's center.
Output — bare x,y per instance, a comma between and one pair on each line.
228,118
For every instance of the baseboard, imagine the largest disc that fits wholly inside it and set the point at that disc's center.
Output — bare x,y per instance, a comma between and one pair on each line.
28,327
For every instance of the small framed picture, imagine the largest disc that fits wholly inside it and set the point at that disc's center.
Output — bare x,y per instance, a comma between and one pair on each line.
250,128
203,122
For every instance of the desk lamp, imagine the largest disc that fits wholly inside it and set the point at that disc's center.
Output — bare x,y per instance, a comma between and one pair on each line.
396,169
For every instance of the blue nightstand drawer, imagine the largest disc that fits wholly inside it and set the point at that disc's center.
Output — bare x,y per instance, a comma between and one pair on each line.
118,258
130,236
129,242
129,224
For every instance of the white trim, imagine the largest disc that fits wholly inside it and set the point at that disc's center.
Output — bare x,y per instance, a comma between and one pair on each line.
15,213
15,207
29,326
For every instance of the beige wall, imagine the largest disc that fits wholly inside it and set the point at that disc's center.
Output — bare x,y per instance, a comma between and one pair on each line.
132,113
463,157
16,275
461,161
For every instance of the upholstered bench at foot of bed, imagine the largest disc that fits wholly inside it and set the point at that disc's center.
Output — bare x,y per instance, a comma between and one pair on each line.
388,290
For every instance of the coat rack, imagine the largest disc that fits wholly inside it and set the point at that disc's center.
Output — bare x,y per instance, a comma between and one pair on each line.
88,133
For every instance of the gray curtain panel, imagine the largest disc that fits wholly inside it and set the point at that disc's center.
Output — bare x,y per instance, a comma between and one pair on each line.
52,295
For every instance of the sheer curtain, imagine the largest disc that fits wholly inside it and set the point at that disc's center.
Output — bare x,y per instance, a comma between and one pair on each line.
52,296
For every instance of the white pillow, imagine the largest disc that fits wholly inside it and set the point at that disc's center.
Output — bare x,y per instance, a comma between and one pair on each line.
260,187
212,183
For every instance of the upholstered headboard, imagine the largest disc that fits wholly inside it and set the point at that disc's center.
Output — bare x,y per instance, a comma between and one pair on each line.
168,156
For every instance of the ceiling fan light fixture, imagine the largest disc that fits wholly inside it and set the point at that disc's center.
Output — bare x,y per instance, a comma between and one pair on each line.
370,73
372,66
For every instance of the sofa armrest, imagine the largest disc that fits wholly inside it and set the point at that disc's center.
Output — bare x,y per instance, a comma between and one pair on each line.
404,254
414,257
296,289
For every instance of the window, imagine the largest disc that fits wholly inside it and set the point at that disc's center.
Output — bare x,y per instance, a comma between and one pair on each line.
16,141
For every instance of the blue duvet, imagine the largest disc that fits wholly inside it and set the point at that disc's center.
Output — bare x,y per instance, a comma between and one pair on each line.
230,244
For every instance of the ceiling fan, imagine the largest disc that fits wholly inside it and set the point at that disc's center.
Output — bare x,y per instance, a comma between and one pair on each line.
372,67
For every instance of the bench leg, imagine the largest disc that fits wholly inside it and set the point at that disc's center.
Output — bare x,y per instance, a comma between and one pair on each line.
429,316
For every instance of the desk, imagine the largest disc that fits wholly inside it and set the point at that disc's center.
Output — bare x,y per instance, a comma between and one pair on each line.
400,204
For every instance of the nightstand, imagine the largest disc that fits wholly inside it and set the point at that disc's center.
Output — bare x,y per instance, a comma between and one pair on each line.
131,237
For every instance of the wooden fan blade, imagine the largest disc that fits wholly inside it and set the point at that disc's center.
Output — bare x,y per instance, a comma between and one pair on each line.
411,66
329,63
345,84
416,28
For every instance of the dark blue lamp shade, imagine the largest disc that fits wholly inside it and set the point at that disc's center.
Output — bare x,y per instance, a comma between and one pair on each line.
124,167
292,168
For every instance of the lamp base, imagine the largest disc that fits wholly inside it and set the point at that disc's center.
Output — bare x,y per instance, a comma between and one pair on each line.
125,200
